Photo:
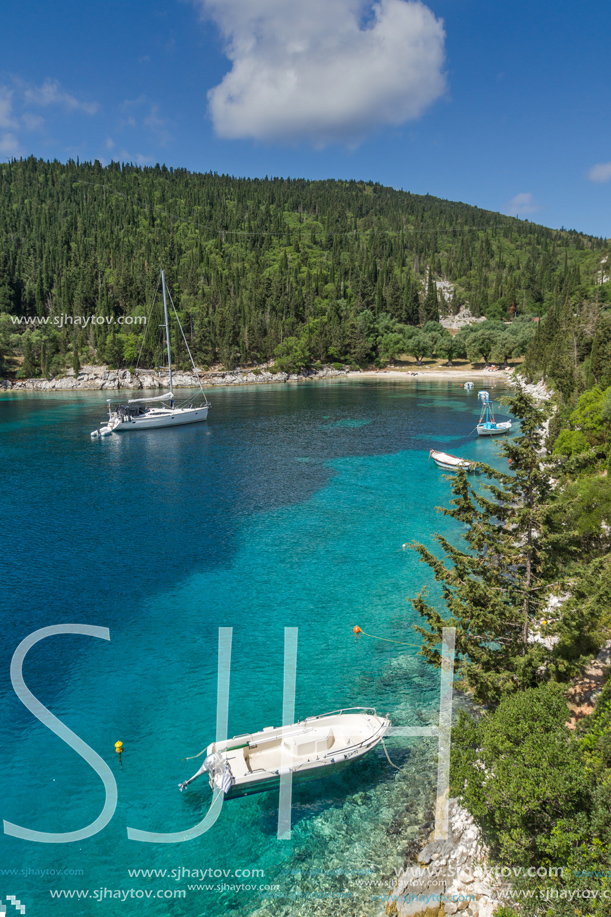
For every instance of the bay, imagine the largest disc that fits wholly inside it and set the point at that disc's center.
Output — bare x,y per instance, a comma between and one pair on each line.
289,508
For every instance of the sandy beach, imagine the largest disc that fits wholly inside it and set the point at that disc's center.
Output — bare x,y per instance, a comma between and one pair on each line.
417,375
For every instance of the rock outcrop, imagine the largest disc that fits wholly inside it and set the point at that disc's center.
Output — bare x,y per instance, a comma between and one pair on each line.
448,877
464,318
100,378
538,390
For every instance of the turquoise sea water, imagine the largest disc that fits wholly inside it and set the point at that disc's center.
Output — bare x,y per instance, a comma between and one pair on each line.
289,508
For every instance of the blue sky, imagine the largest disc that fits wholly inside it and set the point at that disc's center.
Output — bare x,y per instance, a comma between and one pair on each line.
502,105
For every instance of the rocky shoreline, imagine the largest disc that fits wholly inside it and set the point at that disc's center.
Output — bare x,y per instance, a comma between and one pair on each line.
100,378
448,877
538,390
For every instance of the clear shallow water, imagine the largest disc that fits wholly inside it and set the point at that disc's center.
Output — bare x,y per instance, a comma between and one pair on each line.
289,508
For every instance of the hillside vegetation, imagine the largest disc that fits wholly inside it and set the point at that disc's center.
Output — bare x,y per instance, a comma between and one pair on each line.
301,271
530,596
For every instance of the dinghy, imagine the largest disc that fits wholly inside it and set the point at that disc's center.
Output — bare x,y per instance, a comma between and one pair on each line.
450,462
315,747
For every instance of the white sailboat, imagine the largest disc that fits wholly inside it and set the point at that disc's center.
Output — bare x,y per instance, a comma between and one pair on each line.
157,410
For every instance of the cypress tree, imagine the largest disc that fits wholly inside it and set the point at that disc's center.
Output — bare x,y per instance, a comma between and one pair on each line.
431,301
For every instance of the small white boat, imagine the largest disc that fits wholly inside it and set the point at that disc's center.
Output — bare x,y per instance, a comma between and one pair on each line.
315,747
450,462
487,425
468,386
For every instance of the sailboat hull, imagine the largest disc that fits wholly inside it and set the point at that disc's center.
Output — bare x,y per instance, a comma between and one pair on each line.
162,417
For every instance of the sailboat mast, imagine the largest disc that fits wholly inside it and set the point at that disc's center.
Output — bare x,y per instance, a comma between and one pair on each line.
167,327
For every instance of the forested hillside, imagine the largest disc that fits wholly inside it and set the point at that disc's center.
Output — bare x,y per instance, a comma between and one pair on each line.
529,593
303,271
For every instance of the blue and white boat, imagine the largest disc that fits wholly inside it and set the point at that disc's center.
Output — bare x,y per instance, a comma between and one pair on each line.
487,425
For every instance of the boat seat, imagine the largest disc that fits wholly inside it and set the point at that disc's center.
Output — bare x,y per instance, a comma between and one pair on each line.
238,764
312,742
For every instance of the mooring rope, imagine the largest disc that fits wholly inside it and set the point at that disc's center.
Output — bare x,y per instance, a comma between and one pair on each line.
357,630
388,756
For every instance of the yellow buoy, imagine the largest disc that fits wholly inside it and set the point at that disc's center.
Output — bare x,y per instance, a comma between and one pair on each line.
118,747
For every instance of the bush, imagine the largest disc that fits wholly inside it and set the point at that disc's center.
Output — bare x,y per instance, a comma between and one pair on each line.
520,774
571,442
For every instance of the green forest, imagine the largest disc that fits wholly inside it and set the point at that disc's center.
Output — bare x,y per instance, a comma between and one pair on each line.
300,272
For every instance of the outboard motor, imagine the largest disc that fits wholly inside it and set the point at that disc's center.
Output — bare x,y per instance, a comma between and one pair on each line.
213,764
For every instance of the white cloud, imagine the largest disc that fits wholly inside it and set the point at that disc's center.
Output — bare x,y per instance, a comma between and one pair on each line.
139,159
6,108
152,120
325,71
32,122
521,204
18,98
9,145
601,172
51,93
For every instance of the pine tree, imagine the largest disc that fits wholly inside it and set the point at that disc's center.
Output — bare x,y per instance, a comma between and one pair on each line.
493,589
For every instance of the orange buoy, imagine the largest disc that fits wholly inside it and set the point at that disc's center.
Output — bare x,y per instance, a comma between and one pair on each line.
357,629
510,461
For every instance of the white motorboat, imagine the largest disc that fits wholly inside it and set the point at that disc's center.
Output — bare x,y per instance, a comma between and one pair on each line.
138,414
450,462
468,386
487,425
315,747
